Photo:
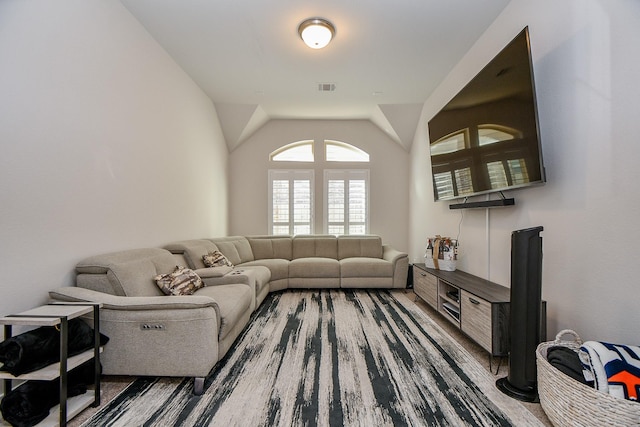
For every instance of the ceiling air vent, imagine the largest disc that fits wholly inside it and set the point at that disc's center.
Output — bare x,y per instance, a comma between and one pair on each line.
326,87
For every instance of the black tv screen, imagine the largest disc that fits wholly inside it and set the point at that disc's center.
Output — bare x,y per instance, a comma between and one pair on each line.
486,138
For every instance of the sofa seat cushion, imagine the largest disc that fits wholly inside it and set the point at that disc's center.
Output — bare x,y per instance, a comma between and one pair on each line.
260,273
365,267
257,277
314,267
234,301
314,272
278,267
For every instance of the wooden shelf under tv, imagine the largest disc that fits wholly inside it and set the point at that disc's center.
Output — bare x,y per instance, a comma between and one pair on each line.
482,305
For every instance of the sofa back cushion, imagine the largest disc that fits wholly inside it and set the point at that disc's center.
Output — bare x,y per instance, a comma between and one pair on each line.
359,246
325,246
125,273
192,251
271,247
236,248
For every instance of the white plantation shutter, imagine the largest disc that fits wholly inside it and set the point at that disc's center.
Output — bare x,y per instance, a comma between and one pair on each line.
346,201
291,202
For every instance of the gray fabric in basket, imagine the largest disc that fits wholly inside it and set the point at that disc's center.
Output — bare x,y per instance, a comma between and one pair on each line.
568,362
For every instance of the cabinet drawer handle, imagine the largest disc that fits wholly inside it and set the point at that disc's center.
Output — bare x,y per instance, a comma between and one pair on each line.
423,274
473,301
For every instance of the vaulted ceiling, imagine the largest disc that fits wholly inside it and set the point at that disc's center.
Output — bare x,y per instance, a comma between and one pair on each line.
385,60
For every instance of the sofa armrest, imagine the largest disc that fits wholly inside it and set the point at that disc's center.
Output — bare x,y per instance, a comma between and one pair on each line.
114,302
392,255
400,261
154,336
208,272
226,279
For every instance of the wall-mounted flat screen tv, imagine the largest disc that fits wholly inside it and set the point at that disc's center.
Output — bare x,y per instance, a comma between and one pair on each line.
486,138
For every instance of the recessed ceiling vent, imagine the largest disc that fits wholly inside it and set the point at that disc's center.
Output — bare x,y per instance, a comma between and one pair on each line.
326,87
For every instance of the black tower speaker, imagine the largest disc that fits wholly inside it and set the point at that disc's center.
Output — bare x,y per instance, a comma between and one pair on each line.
524,315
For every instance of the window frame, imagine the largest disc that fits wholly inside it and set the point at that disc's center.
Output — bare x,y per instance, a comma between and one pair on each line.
292,146
346,175
291,175
357,155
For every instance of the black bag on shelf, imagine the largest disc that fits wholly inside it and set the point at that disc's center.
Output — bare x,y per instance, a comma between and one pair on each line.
29,403
40,347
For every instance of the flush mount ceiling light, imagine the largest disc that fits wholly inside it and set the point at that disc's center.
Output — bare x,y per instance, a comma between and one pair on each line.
316,32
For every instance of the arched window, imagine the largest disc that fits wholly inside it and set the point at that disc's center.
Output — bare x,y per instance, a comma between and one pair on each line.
301,151
337,151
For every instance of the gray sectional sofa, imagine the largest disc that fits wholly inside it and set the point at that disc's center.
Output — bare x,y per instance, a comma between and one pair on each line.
159,335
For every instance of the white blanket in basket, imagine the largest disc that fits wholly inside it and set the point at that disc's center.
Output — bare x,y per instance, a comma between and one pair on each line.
614,368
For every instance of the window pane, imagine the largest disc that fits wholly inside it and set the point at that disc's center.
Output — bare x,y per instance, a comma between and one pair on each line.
281,229
336,230
357,229
280,189
357,201
301,151
335,200
302,229
336,151
301,201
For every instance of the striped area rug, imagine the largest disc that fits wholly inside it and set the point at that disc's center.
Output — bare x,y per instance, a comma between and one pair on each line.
329,358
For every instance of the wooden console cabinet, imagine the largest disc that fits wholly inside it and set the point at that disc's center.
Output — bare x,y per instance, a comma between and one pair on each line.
478,307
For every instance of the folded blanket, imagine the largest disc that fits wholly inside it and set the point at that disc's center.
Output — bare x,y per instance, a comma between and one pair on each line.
567,361
615,368
29,403
41,347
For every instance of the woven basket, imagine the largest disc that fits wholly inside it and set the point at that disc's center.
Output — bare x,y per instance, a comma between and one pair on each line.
443,264
570,403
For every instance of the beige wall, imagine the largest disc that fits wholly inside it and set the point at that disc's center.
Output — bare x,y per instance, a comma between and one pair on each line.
389,174
588,97
106,144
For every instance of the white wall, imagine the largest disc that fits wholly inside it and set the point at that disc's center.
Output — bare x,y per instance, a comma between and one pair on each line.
106,144
389,174
586,72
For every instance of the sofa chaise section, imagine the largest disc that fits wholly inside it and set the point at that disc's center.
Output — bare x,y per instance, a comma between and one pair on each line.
257,277
155,334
